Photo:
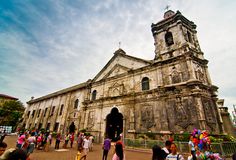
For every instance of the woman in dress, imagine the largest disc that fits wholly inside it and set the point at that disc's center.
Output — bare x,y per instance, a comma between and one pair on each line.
119,152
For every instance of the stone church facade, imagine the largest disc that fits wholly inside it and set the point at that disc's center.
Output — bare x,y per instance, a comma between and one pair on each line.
172,93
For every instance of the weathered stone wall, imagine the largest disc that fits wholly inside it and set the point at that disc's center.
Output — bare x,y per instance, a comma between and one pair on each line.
180,95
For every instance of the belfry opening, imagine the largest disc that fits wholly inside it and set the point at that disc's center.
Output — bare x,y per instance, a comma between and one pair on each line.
114,124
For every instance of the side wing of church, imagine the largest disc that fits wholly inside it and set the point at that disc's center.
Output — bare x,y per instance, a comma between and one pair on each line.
172,93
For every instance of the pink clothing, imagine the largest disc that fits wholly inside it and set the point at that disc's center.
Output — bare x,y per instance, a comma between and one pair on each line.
31,139
21,139
115,157
39,139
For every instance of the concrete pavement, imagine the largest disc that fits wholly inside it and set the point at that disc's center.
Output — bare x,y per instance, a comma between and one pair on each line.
70,154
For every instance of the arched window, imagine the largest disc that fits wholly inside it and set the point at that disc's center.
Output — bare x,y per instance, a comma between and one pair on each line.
28,113
52,111
61,110
39,112
145,83
169,38
76,104
94,94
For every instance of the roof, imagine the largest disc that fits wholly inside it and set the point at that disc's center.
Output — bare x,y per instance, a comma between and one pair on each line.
8,97
81,85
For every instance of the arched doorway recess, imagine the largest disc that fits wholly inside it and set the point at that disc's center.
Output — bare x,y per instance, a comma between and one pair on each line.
114,124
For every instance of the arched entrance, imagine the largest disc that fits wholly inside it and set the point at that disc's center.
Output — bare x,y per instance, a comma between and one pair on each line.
114,124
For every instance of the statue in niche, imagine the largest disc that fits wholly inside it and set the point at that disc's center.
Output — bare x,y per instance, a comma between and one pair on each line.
181,114
147,117
175,76
199,74
90,119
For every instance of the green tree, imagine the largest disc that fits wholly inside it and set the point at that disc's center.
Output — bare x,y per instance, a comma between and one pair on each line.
11,113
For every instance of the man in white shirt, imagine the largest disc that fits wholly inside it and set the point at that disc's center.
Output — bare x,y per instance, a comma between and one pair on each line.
174,155
167,147
86,145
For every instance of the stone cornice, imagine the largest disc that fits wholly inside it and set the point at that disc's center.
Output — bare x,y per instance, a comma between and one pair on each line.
176,18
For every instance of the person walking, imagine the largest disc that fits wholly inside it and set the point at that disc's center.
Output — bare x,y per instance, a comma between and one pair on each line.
58,140
91,139
72,137
20,140
66,138
86,145
192,149
167,147
80,141
50,138
39,141
31,141
3,147
158,153
174,155
119,152
106,147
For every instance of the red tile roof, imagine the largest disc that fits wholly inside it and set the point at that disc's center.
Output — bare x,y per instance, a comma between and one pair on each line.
9,97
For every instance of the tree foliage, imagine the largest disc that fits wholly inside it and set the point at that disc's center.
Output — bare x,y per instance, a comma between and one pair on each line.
11,113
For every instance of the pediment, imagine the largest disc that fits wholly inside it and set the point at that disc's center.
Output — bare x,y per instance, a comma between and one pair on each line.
116,70
120,63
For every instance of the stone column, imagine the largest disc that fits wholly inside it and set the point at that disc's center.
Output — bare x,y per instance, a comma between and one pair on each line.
190,68
207,75
66,114
159,77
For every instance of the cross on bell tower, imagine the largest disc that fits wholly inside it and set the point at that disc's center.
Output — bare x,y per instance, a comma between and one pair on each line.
167,7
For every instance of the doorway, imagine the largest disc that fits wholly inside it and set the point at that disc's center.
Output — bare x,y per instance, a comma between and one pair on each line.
114,124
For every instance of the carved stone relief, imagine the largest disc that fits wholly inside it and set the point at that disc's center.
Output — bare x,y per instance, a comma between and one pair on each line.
147,117
182,114
116,90
170,115
185,72
163,119
208,111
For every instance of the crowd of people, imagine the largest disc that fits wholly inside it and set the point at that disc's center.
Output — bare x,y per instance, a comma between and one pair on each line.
199,149
28,141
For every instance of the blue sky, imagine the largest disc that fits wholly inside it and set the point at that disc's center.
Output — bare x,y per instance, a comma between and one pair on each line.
48,45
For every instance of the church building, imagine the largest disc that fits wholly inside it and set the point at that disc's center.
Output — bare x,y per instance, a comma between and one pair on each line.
171,93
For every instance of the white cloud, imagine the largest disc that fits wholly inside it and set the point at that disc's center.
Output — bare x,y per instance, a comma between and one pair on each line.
56,46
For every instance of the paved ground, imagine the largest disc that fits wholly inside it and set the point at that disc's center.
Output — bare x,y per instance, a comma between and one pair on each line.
96,154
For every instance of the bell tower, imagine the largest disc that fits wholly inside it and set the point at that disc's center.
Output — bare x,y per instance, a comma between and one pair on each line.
174,35
183,74
175,39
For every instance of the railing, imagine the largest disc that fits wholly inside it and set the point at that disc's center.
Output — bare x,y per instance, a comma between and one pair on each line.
224,148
